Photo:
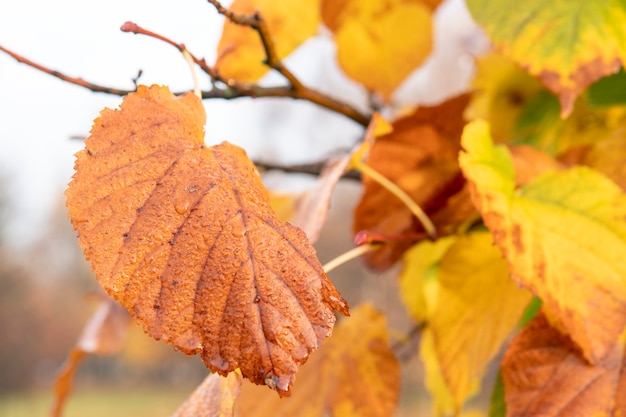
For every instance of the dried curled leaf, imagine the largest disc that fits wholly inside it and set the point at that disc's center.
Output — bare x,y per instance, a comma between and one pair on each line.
420,157
184,237
103,334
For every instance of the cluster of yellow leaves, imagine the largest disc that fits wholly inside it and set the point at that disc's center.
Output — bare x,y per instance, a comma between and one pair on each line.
379,43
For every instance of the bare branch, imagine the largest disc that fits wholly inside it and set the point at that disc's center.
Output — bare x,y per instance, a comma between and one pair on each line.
229,88
72,80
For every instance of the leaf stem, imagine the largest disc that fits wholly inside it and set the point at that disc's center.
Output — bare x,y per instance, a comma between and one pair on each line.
350,255
383,181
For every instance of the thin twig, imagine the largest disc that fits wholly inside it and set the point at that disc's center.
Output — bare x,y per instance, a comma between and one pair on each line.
350,255
408,347
72,80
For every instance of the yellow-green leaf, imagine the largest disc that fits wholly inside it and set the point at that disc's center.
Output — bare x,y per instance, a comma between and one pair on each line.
563,235
240,51
501,91
567,44
478,306
379,43
418,280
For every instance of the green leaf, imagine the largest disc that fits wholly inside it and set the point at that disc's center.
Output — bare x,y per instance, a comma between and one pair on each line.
608,91
566,44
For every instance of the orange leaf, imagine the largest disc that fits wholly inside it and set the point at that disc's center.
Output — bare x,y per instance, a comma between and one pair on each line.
240,51
183,236
420,156
354,374
215,397
545,374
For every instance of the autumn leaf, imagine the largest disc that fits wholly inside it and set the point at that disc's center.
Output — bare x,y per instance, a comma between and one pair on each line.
379,43
240,52
567,45
353,374
418,278
308,209
419,156
550,232
473,308
501,92
607,156
103,334
546,375
214,397
183,236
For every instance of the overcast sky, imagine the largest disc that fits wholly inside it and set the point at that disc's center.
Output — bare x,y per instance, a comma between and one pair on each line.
39,114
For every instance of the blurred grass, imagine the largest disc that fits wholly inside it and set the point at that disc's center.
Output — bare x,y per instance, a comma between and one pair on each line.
98,402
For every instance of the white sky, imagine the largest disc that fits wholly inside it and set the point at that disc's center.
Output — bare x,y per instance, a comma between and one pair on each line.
39,113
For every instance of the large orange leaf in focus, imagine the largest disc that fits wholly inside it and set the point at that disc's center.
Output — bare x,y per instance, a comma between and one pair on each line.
545,375
183,236
420,156
240,53
355,373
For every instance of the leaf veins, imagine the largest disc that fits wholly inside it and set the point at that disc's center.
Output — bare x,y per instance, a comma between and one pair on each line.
184,237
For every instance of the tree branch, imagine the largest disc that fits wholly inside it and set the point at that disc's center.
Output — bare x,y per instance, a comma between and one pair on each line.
228,88
72,80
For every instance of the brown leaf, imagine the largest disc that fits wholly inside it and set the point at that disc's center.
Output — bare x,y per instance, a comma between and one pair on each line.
103,334
184,237
420,156
355,373
545,374
215,397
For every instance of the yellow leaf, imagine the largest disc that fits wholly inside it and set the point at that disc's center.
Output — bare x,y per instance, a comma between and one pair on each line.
478,306
563,235
443,400
284,204
240,51
354,373
379,43
418,279
566,44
